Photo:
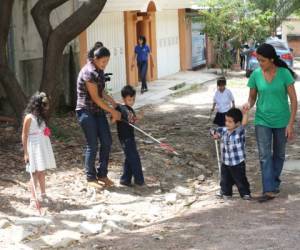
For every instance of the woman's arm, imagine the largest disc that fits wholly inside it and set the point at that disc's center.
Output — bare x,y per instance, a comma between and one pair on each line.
25,132
134,58
109,99
151,59
93,92
294,105
252,97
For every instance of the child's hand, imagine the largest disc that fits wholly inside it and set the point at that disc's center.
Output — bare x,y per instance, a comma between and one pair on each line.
140,116
26,158
214,134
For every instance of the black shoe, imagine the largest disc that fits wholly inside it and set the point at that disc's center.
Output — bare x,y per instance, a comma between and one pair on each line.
139,184
124,183
265,198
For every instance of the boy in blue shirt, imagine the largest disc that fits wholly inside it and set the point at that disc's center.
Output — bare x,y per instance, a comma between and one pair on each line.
233,169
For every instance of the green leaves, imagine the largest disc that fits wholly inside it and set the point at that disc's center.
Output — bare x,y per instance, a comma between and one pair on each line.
229,24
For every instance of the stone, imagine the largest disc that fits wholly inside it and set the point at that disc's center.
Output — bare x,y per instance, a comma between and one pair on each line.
4,223
61,239
171,198
16,233
201,177
90,228
183,191
35,221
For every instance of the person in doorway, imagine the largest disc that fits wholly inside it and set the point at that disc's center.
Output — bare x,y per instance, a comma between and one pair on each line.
270,86
141,56
92,105
223,100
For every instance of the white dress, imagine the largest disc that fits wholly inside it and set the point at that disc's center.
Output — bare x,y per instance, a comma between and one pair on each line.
39,148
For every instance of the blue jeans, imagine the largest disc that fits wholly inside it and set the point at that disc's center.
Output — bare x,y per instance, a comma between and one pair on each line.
143,67
132,165
271,146
95,127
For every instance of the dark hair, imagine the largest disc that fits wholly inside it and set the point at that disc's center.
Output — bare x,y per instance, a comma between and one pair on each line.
36,106
101,52
128,91
235,114
267,50
143,38
97,45
221,81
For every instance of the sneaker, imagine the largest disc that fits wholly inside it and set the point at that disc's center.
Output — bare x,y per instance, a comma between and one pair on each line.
107,182
45,200
94,184
247,197
219,194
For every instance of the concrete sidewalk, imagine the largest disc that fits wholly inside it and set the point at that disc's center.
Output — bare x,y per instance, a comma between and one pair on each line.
160,89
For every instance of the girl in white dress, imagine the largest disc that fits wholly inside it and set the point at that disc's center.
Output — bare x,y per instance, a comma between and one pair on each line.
38,153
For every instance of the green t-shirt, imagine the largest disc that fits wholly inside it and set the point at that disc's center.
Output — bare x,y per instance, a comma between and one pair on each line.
272,106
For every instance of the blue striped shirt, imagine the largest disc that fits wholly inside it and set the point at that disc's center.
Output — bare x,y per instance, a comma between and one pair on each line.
232,145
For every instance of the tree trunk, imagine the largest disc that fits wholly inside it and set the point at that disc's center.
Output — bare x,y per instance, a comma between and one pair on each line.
15,94
54,41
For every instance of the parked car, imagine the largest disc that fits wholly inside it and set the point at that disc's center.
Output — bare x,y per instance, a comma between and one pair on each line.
281,48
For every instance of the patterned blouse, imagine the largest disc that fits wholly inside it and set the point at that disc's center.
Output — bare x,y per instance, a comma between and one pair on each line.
89,73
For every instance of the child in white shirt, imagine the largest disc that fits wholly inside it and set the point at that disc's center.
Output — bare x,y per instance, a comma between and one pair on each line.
223,101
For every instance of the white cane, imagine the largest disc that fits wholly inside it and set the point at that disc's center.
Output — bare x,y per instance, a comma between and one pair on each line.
163,145
218,157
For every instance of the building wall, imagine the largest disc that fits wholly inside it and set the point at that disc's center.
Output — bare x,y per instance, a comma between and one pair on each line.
109,29
291,34
167,33
292,26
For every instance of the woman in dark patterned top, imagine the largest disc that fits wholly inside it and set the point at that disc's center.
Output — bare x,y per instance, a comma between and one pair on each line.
91,108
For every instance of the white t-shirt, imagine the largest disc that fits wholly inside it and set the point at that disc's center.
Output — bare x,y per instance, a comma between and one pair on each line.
223,100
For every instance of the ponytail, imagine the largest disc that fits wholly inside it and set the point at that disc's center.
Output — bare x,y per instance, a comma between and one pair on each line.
280,63
267,50
91,52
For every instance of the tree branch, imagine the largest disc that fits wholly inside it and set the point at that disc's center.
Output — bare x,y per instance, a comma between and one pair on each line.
5,19
41,16
75,24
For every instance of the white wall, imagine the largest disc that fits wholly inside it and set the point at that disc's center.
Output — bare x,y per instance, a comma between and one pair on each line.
109,29
291,26
167,33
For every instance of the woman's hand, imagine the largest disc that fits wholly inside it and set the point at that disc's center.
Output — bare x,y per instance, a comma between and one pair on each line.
246,107
115,116
289,132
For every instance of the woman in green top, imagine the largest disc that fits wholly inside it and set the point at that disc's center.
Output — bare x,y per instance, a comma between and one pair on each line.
270,86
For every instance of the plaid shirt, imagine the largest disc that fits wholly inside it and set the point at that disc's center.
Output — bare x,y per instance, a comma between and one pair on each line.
232,145
89,73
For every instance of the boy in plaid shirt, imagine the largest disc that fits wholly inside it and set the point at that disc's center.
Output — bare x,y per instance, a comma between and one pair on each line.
233,169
